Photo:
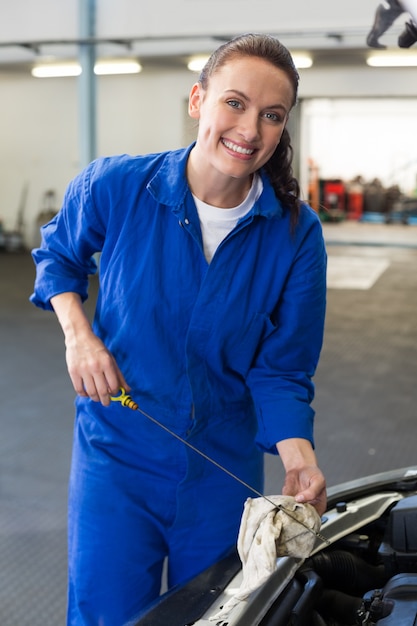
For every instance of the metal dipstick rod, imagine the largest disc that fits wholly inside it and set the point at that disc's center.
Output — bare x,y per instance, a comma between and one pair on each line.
128,402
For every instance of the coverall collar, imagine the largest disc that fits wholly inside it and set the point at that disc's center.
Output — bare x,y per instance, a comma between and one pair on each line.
172,175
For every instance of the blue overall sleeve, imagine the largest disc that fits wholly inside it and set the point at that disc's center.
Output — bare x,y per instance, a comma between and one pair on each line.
280,379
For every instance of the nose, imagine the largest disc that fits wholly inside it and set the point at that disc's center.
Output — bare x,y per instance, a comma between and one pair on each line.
250,126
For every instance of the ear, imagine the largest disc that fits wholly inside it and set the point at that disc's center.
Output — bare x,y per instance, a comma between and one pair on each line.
194,101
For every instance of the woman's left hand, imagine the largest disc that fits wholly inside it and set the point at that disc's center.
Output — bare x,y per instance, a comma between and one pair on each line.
307,485
303,478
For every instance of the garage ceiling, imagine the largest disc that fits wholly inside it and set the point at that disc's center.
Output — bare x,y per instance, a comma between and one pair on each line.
326,49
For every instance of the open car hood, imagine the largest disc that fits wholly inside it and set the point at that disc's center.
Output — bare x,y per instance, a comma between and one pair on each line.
371,529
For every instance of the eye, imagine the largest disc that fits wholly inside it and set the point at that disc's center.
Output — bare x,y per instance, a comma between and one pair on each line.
235,104
273,117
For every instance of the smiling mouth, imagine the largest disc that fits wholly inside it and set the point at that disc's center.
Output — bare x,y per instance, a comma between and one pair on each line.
236,148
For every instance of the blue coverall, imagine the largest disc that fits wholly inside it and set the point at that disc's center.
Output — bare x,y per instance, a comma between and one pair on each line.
222,353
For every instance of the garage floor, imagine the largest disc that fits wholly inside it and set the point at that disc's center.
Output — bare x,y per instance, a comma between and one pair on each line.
365,403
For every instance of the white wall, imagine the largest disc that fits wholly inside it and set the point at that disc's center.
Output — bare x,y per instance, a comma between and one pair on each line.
39,131
39,146
141,113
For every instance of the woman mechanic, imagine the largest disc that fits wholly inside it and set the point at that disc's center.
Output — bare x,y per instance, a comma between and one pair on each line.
210,313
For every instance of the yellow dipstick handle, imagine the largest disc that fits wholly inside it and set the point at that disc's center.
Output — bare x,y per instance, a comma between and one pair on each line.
125,400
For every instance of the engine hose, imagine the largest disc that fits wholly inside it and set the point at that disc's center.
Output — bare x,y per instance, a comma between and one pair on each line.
343,570
339,606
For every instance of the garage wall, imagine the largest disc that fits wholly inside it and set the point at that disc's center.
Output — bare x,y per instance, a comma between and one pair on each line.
141,113
39,131
39,148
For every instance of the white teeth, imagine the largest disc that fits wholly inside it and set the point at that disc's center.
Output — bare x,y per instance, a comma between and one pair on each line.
236,148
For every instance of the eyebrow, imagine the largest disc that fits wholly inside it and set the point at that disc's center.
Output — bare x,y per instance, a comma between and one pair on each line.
245,97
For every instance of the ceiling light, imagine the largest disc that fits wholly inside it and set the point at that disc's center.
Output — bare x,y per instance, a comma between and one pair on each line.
56,70
392,59
117,66
301,60
197,63
101,68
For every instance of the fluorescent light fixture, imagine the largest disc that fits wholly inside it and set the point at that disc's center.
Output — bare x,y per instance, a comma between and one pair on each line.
393,59
56,70
101,68
117,66
302,60
197,63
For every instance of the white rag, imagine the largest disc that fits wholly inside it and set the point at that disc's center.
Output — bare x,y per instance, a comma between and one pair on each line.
267,532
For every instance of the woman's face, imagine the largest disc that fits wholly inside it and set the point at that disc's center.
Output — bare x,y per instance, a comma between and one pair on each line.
242,115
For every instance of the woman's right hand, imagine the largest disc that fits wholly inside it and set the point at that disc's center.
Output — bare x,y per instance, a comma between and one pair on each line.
92,368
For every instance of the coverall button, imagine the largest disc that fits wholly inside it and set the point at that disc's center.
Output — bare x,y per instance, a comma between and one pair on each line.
186,221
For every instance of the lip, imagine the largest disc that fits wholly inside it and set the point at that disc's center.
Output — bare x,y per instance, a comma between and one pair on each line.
237,149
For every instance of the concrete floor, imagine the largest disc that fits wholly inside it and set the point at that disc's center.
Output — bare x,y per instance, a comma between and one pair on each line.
365,403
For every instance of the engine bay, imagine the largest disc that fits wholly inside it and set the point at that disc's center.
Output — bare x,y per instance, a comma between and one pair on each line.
368,577
362,570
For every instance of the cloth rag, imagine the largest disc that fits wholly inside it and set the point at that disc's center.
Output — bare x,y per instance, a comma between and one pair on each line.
270,528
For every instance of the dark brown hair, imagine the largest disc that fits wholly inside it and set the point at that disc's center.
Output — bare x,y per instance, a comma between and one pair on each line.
279,166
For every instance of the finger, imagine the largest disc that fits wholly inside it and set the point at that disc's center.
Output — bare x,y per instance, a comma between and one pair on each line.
124,383
90,387
319,501
102,390
115,380
77,383
96,388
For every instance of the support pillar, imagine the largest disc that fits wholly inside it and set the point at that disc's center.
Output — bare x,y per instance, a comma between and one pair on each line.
87,83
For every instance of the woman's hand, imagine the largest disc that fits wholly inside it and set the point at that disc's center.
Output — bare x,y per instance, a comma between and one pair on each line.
307,485
303,479
92,368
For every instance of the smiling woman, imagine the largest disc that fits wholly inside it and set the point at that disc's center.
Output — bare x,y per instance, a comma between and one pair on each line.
241,122
210,313
279,78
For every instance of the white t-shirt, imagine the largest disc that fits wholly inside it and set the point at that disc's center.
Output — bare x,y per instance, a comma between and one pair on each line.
217,223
